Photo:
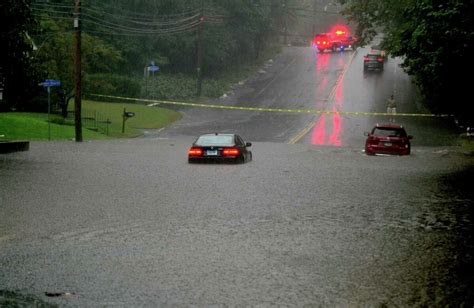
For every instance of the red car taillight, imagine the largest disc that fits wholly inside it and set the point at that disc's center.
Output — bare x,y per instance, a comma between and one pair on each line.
366,59
230,152
380,59
372,139
195,152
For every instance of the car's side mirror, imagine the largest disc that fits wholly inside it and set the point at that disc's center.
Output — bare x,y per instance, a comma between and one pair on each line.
248,144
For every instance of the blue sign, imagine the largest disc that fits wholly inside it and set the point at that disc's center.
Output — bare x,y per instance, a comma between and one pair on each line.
50,83
153,68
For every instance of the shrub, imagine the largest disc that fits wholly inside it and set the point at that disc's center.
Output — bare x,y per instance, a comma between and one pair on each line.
109,84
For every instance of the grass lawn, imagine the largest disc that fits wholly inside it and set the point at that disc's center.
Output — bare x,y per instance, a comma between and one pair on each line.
145,117
34,126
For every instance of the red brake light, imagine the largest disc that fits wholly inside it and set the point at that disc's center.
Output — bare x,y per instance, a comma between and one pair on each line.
380,59
230,152
366,59
195,152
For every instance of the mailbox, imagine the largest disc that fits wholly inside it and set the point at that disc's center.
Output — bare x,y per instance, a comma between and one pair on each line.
126,115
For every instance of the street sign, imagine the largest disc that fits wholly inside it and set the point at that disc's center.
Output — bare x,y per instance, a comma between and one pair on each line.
153,68
50,83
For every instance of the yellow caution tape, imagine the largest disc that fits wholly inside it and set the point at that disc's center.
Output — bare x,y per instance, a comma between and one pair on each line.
307,111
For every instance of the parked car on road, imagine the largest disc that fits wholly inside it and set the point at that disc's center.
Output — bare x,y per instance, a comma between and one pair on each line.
220,147
388,139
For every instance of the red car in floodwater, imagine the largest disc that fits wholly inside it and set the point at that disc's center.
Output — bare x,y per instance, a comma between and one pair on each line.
388,139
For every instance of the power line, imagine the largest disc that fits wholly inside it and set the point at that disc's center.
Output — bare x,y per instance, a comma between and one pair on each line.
122,24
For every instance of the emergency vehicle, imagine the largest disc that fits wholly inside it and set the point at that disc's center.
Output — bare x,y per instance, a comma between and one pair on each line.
338,38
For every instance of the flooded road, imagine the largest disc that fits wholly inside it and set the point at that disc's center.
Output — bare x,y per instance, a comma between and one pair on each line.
130,223
311,220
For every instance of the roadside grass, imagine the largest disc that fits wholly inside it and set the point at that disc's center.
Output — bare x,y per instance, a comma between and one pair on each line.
183,87
145,117
467,142
34,126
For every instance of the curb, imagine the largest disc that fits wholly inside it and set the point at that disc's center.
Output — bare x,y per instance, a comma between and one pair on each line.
14,146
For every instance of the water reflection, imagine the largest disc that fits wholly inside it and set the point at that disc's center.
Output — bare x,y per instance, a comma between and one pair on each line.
328,132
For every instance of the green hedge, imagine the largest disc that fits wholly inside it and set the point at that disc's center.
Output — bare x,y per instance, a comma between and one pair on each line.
109,84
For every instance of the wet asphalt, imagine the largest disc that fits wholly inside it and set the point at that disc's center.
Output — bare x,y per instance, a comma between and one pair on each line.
130,223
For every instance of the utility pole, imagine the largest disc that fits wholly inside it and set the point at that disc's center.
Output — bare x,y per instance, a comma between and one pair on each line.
77,72
199,51
285,12
315,9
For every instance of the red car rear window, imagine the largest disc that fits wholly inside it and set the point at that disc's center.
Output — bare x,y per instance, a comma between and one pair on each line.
392,132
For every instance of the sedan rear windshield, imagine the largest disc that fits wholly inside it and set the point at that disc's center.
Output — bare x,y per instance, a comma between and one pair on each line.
390,132
217,140
373,56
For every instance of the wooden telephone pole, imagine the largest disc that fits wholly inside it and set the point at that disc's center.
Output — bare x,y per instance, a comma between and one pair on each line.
77,72
200,51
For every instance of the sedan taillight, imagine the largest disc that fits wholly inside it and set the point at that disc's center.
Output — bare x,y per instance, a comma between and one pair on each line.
230,152
195,152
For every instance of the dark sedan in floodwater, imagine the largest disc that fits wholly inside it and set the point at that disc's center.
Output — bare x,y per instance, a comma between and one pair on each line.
219,147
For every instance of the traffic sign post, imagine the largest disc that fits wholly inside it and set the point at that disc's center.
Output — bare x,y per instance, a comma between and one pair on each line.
48,83
151,68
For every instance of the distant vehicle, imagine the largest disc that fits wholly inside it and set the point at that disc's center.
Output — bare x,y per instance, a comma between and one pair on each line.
349,42
388,139
334,41
322,42
219,147
377,50
373,62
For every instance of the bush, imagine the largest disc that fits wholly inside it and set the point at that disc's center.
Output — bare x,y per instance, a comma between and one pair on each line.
109,84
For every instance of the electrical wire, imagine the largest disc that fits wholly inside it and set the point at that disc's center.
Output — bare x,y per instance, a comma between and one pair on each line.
130,23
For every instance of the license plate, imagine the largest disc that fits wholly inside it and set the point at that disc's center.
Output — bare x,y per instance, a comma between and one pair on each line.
211,152
387,144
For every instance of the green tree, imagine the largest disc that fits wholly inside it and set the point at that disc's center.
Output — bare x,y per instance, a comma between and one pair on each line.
435,40
18,79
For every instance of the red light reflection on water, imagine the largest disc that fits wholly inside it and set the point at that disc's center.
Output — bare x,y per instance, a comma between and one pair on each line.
319,130
335,137
329,132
